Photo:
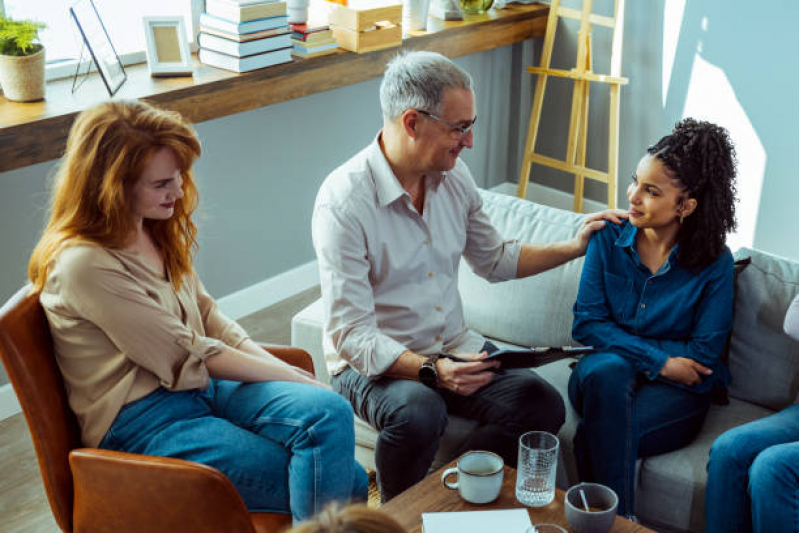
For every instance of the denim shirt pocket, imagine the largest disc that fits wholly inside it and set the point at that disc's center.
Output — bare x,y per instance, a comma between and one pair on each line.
621,302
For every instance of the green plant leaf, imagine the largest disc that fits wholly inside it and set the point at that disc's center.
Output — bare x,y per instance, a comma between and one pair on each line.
19,37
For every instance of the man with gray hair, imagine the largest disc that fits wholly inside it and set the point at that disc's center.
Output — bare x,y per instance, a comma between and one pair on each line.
389,228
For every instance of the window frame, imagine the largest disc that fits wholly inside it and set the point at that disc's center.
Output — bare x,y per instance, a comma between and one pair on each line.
67,68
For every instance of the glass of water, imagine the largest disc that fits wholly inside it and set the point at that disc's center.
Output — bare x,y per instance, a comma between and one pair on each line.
535,474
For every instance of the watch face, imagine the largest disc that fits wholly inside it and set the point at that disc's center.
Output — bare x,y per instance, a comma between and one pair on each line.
428,375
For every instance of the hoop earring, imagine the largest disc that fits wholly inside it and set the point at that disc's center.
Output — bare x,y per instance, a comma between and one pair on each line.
682,216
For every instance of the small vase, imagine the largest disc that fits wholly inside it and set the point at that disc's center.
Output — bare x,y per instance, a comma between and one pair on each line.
475,7
414,14
22,77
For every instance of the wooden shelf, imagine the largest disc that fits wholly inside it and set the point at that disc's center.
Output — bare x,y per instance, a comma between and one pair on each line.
36,132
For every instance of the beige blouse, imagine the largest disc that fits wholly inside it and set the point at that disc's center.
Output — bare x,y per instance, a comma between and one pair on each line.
121,331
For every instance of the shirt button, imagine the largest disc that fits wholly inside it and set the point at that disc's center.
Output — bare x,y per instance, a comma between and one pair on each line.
643,306
429,274
438,308
438,338
427,242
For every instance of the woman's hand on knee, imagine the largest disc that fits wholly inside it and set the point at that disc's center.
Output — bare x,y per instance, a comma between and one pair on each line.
684,370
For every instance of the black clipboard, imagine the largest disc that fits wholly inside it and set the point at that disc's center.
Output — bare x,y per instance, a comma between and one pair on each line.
530,357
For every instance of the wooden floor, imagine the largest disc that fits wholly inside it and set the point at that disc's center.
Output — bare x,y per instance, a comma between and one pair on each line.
23,504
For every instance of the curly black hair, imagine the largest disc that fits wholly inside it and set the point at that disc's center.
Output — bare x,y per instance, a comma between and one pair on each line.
702,158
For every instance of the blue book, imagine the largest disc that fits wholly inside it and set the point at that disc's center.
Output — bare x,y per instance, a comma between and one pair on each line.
241,28
248,48
245,64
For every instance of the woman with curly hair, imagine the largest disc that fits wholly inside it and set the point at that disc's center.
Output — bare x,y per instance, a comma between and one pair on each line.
151,365
655,300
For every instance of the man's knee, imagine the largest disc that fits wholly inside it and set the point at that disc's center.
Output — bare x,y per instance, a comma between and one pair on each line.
542,405
552,408
420,418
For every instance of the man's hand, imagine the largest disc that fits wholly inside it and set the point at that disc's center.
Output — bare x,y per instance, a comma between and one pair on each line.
465,378
596,222
684,370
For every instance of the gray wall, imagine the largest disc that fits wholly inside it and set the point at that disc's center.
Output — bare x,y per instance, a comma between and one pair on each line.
260,171
752,81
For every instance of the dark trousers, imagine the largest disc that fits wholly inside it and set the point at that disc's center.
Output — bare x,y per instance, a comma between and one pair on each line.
411,419
626,416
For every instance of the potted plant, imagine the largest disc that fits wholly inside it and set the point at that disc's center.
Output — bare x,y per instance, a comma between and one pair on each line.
21,60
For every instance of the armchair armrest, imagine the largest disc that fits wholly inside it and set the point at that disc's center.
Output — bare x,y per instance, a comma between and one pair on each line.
293,356
118,492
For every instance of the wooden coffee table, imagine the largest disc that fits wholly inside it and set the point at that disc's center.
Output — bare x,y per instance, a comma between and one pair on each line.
431,496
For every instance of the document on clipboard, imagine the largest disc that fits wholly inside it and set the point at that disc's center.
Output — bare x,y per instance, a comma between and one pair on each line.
530,357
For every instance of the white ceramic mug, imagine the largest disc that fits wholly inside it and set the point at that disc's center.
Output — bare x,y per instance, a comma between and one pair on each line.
480,476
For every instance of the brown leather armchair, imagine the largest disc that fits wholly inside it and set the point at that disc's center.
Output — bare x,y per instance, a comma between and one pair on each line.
92,490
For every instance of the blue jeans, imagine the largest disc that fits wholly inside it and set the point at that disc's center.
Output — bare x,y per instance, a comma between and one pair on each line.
287,447
762,456
412,417
626,416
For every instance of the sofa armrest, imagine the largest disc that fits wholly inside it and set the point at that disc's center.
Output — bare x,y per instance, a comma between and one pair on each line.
118,492
293,356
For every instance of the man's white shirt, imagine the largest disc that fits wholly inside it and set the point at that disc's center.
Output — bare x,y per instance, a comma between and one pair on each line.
389,276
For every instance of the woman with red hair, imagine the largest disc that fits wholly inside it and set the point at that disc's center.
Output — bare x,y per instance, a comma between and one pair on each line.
151,365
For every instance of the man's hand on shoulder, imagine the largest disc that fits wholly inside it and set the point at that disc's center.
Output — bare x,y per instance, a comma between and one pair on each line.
595,222
465,378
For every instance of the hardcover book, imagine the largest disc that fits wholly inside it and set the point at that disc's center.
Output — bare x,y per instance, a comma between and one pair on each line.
330,43
235,12
241,28
247,36
245,64
313,51
233,48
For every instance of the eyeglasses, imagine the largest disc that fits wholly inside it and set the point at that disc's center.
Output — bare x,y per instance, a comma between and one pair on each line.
455,129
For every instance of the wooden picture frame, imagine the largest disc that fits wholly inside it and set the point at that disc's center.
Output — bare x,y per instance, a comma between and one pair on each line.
96,39
168,51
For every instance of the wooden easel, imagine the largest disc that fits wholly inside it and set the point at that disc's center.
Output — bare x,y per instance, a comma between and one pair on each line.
582,75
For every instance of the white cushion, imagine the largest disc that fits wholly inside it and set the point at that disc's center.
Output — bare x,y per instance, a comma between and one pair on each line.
535,311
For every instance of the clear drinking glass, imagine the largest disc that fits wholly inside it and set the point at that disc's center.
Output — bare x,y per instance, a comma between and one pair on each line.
535,474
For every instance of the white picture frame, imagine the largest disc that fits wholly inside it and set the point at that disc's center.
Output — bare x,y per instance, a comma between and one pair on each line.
167,50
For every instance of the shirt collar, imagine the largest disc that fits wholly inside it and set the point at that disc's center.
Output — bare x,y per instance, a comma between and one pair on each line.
387,185
627,240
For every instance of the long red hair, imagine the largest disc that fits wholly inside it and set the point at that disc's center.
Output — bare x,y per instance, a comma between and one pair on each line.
108,147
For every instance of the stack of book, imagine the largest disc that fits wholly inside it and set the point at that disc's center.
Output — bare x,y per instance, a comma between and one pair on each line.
244,35
309,40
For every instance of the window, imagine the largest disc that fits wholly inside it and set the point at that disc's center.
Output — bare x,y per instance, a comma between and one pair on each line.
122,19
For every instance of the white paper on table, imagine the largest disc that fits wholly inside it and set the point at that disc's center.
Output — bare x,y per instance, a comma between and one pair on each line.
506,520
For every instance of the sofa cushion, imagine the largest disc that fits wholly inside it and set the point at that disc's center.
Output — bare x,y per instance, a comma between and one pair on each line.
535,311
763,360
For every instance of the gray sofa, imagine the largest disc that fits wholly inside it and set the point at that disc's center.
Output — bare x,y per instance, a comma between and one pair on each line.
538,312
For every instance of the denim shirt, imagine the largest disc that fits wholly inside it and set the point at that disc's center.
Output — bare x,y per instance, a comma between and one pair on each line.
623,308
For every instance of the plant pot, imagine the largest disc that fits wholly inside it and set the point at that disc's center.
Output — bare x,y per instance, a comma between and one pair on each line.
22,77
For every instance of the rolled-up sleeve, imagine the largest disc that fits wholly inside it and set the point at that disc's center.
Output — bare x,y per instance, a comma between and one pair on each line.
217,325
487,253
112,299
347,295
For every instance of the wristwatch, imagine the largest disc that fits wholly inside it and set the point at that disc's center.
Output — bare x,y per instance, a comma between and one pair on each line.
428,375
